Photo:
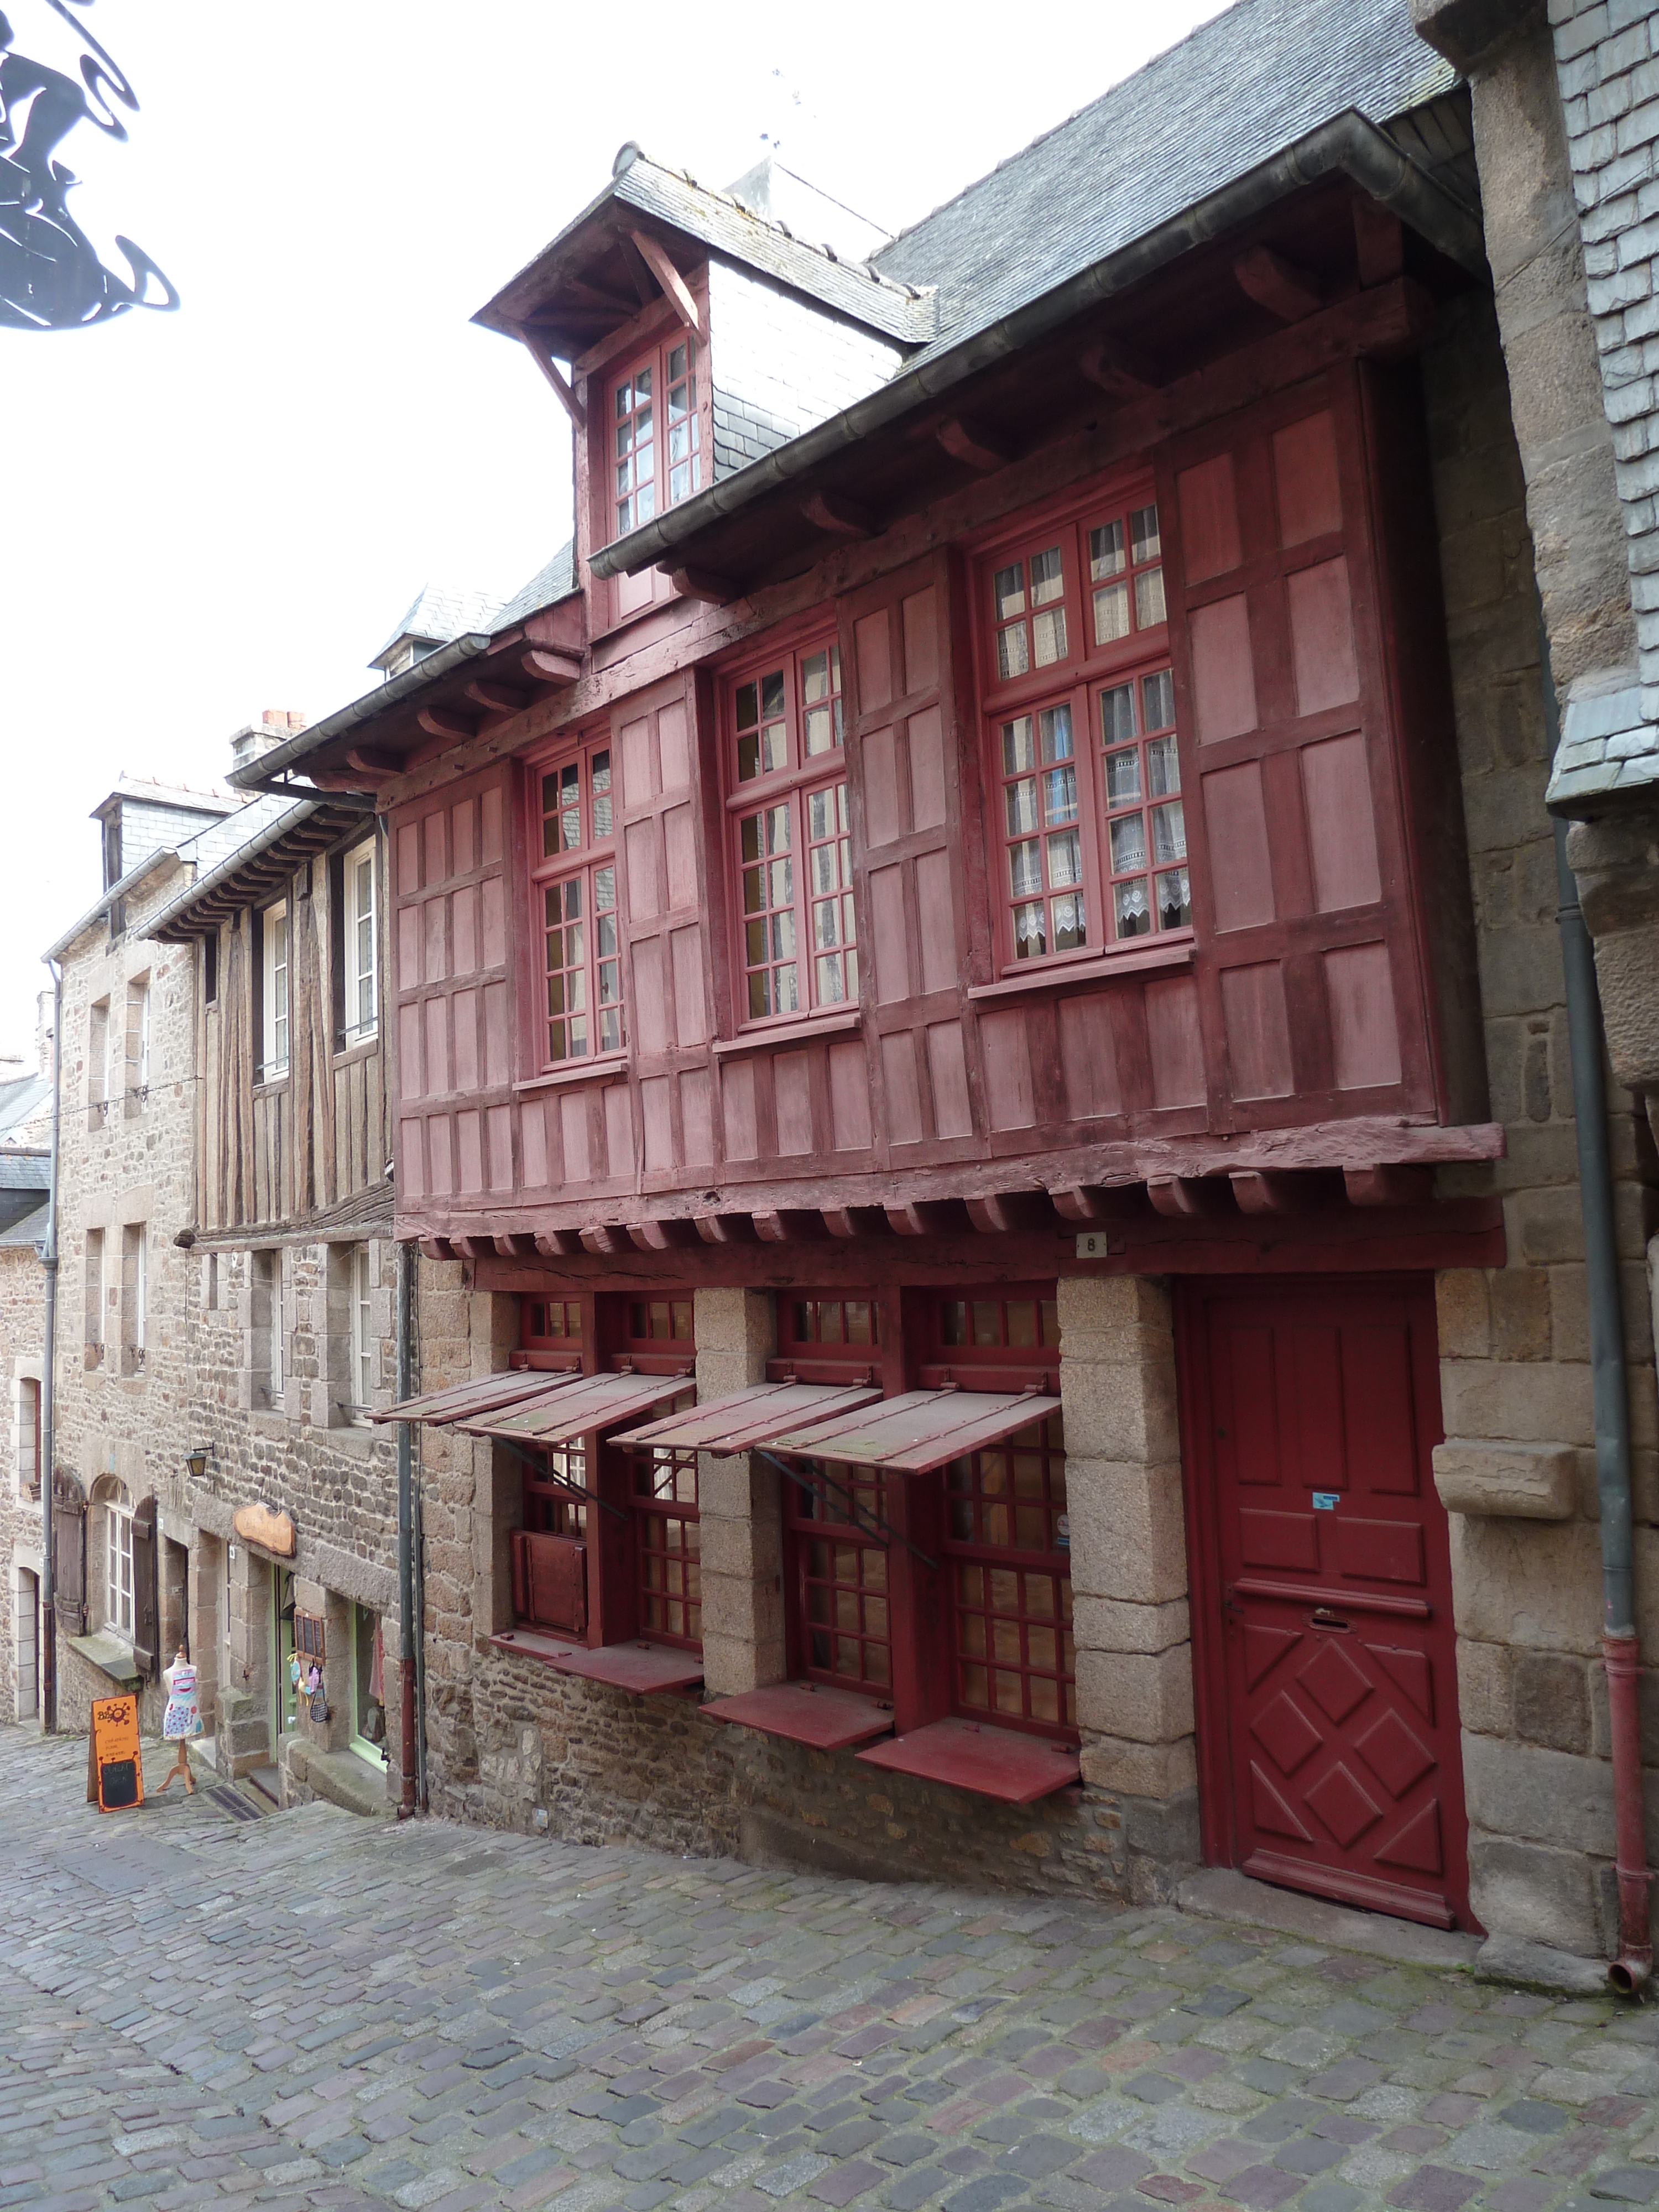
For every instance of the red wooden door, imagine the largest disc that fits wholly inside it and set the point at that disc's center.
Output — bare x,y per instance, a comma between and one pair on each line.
1330,1702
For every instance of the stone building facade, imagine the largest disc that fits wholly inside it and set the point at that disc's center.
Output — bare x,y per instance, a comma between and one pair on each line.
22,1336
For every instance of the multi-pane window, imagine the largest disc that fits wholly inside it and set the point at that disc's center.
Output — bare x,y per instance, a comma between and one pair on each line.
657,434
799,928
28,1438
363,1329
273,930
842,1619
577,919
832,1321
362,976
668,1546
139,1043
1146,829
659,1321
556,1322
1090,823
118,1558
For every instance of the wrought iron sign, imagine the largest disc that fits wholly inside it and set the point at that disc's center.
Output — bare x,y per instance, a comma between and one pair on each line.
51,275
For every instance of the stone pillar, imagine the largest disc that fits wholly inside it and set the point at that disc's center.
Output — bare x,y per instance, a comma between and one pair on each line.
1131,1623
484,1485
206,1576
739,1508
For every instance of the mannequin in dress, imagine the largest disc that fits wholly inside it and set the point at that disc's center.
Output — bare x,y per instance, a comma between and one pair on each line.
183,1718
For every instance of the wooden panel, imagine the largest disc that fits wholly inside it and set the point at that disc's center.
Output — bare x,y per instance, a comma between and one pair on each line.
498,1141
873,660
1176,1043
1241,870
411,972
680,855
673,745
918,620
640,842
618,1130
926,736
1365,1032
409,858
1321,636
435,866
463,926
1209,519
411,1077
532,1138
690,1002
460,837
1258,1030
490,816
573,1135
737,1097
634,741
498,1042
468,1151
904,1088
792,1095
411,1157
936,912
889,935
947,1066
1341,827
696,1117
440,1156
1305,475
657,1123
493,900
1010,1094
1224,670
464,1029
1089,1056
849,1097
883,821
436,1014
651,1028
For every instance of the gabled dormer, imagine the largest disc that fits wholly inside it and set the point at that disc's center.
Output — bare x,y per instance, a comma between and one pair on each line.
689,333
438,614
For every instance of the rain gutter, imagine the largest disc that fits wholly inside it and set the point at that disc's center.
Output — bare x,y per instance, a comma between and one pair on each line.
270,770
1348,145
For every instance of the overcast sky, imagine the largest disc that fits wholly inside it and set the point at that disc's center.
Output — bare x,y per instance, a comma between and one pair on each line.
209,512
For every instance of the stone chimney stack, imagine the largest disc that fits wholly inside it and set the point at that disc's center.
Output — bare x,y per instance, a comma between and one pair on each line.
43,1036
274,727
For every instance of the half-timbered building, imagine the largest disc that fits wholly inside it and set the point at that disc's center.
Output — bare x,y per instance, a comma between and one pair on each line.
976,1034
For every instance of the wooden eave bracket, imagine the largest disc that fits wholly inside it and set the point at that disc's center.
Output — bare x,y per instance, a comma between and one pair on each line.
842,518
497,698
703,584
1379,239
549,368
679,295
1120,368
551,667
1276,284
438,723
973,445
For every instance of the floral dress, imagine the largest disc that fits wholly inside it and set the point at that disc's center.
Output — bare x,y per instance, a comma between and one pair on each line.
183,1716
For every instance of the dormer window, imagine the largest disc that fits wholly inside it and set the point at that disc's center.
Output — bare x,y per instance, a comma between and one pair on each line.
657,433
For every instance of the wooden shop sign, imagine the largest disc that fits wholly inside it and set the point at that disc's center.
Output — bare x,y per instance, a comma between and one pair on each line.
270,1530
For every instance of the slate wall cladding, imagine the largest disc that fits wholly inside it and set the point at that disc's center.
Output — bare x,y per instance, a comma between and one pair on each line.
1513,1341
22,1326
778,367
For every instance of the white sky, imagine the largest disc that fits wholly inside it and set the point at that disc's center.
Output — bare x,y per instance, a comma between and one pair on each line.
213,511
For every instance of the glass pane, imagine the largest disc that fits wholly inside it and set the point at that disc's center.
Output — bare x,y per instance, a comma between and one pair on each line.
600,787
1129,900
1025,868
1066,860
1105,552
1021,799
1049,637
1055,724
1008,590
1174,903
1069,925
1117,713
1048,581
1145,542
1022,1321
1123,777
1168,832
1031,938
1111,613
1157,700
1013,654
747,706
1059,795
987,1318
1018,752
772,696
1128,844
1163,768
953,1322
1149,598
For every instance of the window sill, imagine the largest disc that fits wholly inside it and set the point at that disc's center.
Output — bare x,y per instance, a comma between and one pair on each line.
277,1080
980,1757
356,1048
807,1712
1100,969
110,1654
609,1069
640,1667
801,1032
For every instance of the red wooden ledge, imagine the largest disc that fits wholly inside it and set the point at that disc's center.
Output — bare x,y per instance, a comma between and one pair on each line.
638,1667
807,1712
992,1762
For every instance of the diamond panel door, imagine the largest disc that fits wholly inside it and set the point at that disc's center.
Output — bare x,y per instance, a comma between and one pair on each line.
1340,1711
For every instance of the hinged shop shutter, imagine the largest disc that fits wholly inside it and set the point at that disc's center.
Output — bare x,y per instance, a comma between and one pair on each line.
68,1545
549,1581
146,1590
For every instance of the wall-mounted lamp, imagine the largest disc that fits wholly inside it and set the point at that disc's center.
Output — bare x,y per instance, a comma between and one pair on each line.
196,1460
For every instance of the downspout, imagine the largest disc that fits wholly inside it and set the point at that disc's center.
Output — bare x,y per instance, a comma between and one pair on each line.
48,1380
406,1638
1631,1970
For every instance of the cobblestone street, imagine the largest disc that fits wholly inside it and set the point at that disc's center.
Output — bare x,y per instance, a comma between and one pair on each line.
308,2009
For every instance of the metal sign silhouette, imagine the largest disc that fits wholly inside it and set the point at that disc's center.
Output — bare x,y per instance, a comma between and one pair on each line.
51,275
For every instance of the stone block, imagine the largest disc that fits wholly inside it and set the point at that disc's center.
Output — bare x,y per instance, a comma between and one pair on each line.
1463,1313
1528,1482
1121,1410
1097,1313
742,1549
1552,1699
1160,1770
1104,1624
1520,1313
736,1332
1530,1795
1128,1531
732,1664
1521,1401
1483,1687
1143,1697
1535,1584
1533,1893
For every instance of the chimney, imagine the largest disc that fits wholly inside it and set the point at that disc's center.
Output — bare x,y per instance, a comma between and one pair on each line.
43,1037
274,727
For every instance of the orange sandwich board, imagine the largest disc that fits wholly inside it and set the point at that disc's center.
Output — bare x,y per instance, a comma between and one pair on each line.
116,1760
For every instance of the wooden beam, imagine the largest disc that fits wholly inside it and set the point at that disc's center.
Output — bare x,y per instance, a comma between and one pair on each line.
1009,1213
557,1243
973,445
545,361
551,667
515,1247
1120,368
942,1217
856,1221
638,275
497,697
1276,284
474,1247
1264,1190
1379,238
436,1248
656,259
1388,1186
1188,1198
437,723
1099,1202
842,518
670,1235
724,1228
703,584
606,1240
792,1225
584,289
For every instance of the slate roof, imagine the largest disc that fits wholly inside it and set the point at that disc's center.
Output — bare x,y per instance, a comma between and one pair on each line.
22,1096
439,612
556,581
29,1170
213,799
1225,100
31,1229
1607,747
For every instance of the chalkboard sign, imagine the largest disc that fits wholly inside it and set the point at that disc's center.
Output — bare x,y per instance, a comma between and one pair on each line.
116,1755
309,1635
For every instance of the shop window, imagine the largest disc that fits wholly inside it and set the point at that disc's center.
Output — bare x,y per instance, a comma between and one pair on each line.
576,920
652,1321
551,1325
667,1546
796,925
1090,833
844,1629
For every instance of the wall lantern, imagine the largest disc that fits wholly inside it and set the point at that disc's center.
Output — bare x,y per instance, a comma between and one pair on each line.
196,1460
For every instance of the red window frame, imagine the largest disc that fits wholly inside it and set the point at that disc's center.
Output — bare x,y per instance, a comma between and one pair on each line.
575,903
1088,826
795,921
656,408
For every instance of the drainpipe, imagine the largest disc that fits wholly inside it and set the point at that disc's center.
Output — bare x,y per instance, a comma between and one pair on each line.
48,1380
406,1638
1633,1967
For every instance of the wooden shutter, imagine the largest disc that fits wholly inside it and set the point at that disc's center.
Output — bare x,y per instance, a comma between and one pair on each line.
1312,993
69,1548
146,1589
914,801
549,1581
